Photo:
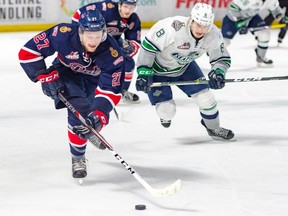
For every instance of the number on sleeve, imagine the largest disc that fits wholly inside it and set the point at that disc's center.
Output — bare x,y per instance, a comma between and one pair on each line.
41,41
222,47
160,33
116,78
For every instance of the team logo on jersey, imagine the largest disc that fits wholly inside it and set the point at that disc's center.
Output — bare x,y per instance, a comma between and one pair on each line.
177,25
86,57
113,31
55,31
118,60
185,59
110,5
114,52
77,67
65,29
157,93
186,45
73,55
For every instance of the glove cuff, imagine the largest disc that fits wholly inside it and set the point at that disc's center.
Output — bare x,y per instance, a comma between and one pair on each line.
48,78
136,47
145,71
218,70
102,117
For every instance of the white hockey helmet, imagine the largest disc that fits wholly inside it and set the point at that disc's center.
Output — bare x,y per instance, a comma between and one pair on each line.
256,4
202,14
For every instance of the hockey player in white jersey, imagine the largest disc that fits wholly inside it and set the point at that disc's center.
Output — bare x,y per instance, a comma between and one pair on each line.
243,16
168,54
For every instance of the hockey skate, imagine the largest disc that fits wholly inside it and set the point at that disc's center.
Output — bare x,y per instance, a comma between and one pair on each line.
280,40
165,123
262,60
130,97
219,133
79,169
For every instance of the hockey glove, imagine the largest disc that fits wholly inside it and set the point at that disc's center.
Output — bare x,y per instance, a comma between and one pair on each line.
284,20
242,23
243,30
130,47
142,81
96,120
51,84
216,79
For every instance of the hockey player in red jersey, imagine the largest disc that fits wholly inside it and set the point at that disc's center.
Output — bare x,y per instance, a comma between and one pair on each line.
88,71
122,22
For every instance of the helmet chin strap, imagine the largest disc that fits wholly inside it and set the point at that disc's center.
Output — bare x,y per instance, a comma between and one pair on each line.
80,32
135,9
119,9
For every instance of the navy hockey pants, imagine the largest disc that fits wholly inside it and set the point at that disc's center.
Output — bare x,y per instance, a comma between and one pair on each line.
164,93
229,28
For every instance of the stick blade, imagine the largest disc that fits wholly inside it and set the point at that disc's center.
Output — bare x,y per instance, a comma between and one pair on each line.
167,191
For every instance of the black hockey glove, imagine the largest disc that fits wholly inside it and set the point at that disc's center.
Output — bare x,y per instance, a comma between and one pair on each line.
96,120
243,30
216,79
142,84
284,20
142,81
130,47
51,84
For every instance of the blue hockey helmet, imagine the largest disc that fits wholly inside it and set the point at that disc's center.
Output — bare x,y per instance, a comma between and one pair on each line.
133,2
93,20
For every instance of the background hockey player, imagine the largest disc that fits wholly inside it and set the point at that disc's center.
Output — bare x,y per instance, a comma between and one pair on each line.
121,21
284,20
168,54
242,16
89,74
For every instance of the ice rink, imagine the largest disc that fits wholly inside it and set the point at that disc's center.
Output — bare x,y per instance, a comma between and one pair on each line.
248,177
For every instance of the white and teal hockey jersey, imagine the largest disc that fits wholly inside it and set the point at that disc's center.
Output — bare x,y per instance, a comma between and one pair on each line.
246,9
169,47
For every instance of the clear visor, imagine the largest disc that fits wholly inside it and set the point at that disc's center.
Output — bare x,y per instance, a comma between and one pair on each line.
203,28
93,35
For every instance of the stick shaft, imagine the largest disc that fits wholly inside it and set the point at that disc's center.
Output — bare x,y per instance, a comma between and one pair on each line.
116,113
197,82
162,192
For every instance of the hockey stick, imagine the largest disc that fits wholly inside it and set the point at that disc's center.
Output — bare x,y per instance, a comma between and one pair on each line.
200,81
278,26
163,192
258,28
116,113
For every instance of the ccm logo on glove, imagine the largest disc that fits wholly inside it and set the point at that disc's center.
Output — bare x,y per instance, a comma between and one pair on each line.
47,78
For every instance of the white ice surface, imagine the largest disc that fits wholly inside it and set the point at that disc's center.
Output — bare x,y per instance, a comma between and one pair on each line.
248,177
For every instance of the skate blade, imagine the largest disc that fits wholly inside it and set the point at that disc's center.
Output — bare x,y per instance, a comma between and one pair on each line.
222,139
125,101
263,65
79,181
